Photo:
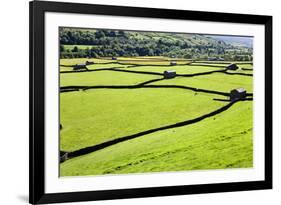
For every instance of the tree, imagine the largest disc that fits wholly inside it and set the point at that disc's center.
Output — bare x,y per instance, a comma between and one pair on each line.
121,33
99,34
126,43
75,49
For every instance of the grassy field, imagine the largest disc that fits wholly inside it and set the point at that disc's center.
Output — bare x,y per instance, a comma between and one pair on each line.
127,111
215,81
210,144
95,116
103,78
180,69
82,47
94,66
154,62
74,61
147,60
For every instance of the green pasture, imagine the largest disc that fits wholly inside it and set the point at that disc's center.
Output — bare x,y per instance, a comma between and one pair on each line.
103,78
240,65
74,61
94,66
154,62
81,47
125,61
94,116
224,62
152,58
219,142
245,65
216,81
180,69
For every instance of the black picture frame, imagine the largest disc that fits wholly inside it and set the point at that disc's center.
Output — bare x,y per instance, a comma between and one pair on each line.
37,194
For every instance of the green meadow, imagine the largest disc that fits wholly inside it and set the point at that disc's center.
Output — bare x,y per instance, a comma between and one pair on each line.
180,69
127,111
224,141
107,112
215,81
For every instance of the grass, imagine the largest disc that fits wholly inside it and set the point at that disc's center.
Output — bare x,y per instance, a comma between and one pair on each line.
93,67
126,112
126,61
154,62
223,141
180,69
74,61
81,47
152,58
216,81
243,65
224,62
103,78
98,115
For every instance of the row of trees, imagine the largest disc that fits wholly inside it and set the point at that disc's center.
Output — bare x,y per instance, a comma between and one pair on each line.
104,43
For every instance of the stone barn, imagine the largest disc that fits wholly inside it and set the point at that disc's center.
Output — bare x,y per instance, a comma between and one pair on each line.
173,63
237,94
232,67
90,62
80,66
169,74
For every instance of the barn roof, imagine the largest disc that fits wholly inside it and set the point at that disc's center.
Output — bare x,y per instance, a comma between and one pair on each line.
169,71
232,64
240,90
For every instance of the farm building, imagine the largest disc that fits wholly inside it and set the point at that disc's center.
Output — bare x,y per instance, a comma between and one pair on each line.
232,67
237,94
113,58
173,63
90,62
169,74
81,66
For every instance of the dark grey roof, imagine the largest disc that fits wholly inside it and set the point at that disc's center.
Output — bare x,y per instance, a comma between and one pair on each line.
240,90
232,64
169,71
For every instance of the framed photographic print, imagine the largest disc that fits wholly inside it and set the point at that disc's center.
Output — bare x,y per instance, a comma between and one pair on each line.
141,102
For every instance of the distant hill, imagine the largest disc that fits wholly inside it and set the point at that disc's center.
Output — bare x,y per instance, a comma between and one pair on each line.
239,41
136,43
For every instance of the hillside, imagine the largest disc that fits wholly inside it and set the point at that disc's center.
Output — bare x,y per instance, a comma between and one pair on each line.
77,43
238,41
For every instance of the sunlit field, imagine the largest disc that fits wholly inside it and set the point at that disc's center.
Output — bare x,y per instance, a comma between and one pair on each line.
134,120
